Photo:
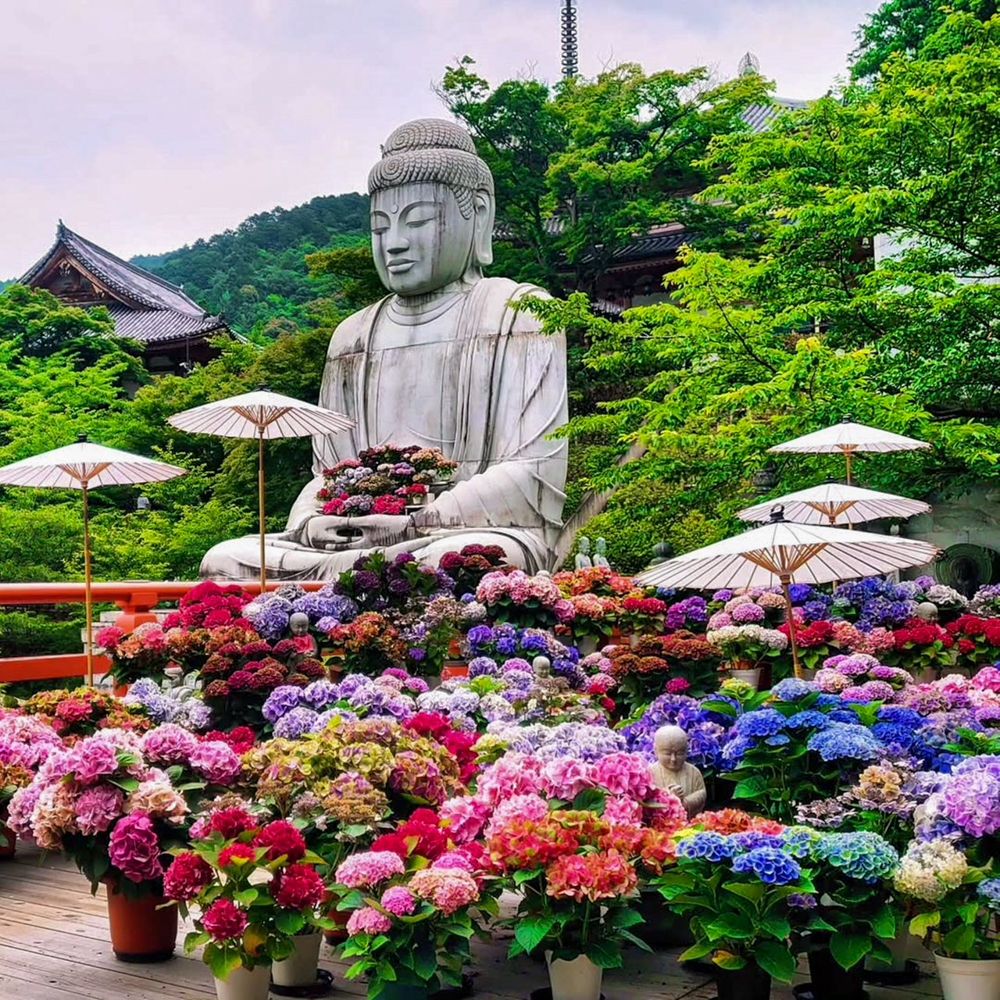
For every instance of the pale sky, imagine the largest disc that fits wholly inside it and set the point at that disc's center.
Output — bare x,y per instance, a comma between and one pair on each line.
146,124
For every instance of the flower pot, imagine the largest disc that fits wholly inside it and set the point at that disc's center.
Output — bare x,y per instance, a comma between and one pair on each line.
901,969
752,676
299,969
335,935
633,639
831,981
577,979
140,931
661,926
748,983
453,669
245,984
968,979
586,645
8,839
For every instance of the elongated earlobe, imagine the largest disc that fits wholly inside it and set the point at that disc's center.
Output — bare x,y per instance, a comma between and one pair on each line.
485,214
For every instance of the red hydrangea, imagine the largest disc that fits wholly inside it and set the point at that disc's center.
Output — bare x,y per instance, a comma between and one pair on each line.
224,920
281,838
229,822
236,852
239,740
297,887
186,876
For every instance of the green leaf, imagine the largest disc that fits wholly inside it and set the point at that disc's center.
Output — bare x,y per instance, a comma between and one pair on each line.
848,949
522,875
777,926
959,940
776,959
726,960
884,923
591,799
751,788
531,931
923,922
698,950
753,891
730,925
289,921
385,971
245,897
425,962
606,953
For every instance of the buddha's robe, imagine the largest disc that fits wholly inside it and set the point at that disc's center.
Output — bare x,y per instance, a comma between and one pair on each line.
471,376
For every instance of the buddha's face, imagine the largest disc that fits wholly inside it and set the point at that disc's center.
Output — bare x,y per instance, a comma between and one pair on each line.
671,750
420,239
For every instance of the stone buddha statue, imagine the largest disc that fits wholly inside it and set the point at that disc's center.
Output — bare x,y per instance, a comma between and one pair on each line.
444,361
672,771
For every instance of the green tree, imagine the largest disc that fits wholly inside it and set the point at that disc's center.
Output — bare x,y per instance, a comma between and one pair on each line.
903,27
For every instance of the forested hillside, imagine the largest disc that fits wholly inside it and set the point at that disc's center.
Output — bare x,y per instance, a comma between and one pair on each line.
256,272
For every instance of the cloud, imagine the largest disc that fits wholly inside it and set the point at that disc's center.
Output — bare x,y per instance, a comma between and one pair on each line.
148,125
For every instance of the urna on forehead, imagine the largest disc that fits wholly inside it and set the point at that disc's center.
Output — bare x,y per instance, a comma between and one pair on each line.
432,150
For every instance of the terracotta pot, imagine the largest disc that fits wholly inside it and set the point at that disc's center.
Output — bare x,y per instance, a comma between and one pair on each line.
335,935
455,649
140,932
8,839
452,669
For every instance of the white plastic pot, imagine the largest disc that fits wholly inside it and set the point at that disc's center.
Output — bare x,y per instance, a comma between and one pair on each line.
299,969
578,979
245,984
968,979
752,677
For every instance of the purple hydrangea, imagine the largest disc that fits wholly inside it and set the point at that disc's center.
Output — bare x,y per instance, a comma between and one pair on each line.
296,723
281,700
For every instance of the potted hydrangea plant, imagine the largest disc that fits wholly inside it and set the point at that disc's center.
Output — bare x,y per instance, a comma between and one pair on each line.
259,896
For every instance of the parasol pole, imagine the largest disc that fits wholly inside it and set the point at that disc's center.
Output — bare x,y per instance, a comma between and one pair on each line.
88,602
785,581
847,457
260,498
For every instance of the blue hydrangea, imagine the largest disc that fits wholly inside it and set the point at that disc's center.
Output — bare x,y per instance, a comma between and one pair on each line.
144,688
770,865
792,689
989,892
296,723
199,715
900,716
752,839
864,856
281,700
801,901
777,741
825,700
808,719
798,840
734,750
480,636
841,741
706,844
844,715
760,723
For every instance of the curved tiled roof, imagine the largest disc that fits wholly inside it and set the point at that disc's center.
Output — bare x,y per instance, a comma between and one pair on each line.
150,309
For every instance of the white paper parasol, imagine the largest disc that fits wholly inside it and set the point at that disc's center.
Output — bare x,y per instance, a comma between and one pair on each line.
263,415
835,503
780,552
84,466
848,438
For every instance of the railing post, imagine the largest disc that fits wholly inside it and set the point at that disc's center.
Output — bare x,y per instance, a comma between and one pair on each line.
135,609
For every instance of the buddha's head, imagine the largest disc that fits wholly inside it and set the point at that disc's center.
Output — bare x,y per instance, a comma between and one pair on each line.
432,208
670,744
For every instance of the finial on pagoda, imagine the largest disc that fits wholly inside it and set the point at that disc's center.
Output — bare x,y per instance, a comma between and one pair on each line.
749,65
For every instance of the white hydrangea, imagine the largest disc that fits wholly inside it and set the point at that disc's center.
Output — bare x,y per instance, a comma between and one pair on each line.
930,869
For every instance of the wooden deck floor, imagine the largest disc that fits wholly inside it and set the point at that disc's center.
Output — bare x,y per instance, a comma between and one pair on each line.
54,945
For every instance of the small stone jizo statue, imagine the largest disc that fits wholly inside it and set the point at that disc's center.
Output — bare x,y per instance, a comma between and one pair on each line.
298,624
582,559
542,667
673,772
600,556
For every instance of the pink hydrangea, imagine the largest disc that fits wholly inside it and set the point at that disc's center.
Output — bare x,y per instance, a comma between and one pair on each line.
368,920
366,869
566,777
455,859
449,889
216,761
464,817
398,901
988,678
829,681
624,774
135,849
664,811
531,807
93,758
618,809
169,744
513,774
97,808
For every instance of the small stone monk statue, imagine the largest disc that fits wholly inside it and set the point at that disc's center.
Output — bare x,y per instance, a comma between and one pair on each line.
298,623
542,667
600,556
672,771
582,559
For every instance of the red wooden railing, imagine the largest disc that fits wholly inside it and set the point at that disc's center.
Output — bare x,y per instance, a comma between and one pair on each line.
136,600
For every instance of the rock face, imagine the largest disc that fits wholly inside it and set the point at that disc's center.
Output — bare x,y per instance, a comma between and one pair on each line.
444,361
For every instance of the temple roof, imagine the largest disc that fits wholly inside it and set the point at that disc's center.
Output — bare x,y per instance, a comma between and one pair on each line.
144,307
758,117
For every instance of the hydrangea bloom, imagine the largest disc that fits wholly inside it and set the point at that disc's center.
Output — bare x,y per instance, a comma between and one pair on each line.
769,864
864,856
844,741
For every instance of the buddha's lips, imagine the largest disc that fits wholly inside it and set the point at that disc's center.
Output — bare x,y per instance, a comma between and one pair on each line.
398,265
